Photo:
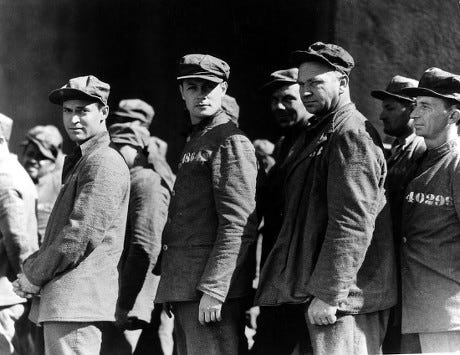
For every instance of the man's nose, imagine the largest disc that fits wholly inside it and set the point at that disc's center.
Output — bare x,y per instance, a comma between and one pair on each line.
280,106
75,118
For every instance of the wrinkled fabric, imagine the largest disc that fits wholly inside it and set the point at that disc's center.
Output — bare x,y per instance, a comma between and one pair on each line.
211,226
147,213
18,225
336,241
76,265
430,270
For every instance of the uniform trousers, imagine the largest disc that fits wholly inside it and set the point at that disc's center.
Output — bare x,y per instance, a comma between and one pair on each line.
216,338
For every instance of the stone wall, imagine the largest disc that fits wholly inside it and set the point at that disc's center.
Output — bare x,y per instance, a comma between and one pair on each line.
396,37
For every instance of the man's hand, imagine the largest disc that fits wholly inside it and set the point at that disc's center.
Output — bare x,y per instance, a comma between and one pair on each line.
24,288
209,310
321,313
251,317
122,320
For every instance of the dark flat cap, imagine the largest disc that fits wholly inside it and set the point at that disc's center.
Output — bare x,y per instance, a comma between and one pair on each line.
203,66
280,78
129,133
82,88
130,110
394,89
48,139
436,82
326,53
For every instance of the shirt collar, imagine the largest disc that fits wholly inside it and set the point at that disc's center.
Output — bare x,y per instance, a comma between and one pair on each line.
404,142
88,146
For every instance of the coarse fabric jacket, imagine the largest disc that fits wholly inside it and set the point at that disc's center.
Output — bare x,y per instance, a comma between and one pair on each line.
211,227
335,242
431,244
147,213
401,166
18,224
76,265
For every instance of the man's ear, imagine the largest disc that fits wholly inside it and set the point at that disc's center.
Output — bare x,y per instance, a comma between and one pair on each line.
105,111
454,116
181,89
224,86
343,82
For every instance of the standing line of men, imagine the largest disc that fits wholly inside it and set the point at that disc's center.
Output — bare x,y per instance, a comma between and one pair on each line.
336,253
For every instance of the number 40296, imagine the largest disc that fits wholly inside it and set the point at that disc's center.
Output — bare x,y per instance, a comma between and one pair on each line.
428,199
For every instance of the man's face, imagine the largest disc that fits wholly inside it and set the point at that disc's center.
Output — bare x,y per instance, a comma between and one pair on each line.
35,163
320,87
287,107
83,119
202,98
430,117
395,117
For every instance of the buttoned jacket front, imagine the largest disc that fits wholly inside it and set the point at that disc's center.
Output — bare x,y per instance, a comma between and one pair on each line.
211,226
76,265
335,242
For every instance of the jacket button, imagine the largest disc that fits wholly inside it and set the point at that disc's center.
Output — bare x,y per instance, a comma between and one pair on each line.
169,220
165,247
404,240
173,193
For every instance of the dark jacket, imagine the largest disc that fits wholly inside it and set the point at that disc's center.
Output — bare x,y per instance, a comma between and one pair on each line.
147,213
431,244
335,242
76,265
401,166
212,223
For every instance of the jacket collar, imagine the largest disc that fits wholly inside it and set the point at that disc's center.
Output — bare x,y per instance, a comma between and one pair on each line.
210,122
92,143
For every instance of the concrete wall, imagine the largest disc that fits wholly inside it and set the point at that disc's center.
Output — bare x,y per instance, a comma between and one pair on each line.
396,37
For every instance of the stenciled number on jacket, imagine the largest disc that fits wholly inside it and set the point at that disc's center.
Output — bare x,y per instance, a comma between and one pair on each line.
429,199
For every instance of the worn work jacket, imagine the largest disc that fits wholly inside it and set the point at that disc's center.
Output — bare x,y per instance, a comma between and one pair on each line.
211,226
76,265
401,166
18,224
148,209
431,244
335,242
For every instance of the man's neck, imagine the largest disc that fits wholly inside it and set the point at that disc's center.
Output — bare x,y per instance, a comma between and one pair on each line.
446,136
400,139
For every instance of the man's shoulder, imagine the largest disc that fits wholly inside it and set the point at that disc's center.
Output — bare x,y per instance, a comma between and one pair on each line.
226,131
106,155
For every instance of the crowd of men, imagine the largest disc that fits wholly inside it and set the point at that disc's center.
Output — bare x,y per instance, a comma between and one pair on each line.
111,253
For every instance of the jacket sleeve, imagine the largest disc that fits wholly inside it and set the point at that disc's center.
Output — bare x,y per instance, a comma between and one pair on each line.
147,213
13,228
234,174
355,194
101,187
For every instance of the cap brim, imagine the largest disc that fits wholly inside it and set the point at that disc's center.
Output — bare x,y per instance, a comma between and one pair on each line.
212,78
274,85
45,152
59,96
382,95
428,92
300,57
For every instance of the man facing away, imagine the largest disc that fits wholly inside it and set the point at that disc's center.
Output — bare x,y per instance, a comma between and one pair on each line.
211,227
75,270
18,239
42,158
431,221
406,149
331,270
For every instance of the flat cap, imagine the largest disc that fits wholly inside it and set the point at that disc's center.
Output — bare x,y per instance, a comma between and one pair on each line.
6,126
133,110
437,83
82,88
203,66
394,89
280,78
326,53
129,133
48,139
